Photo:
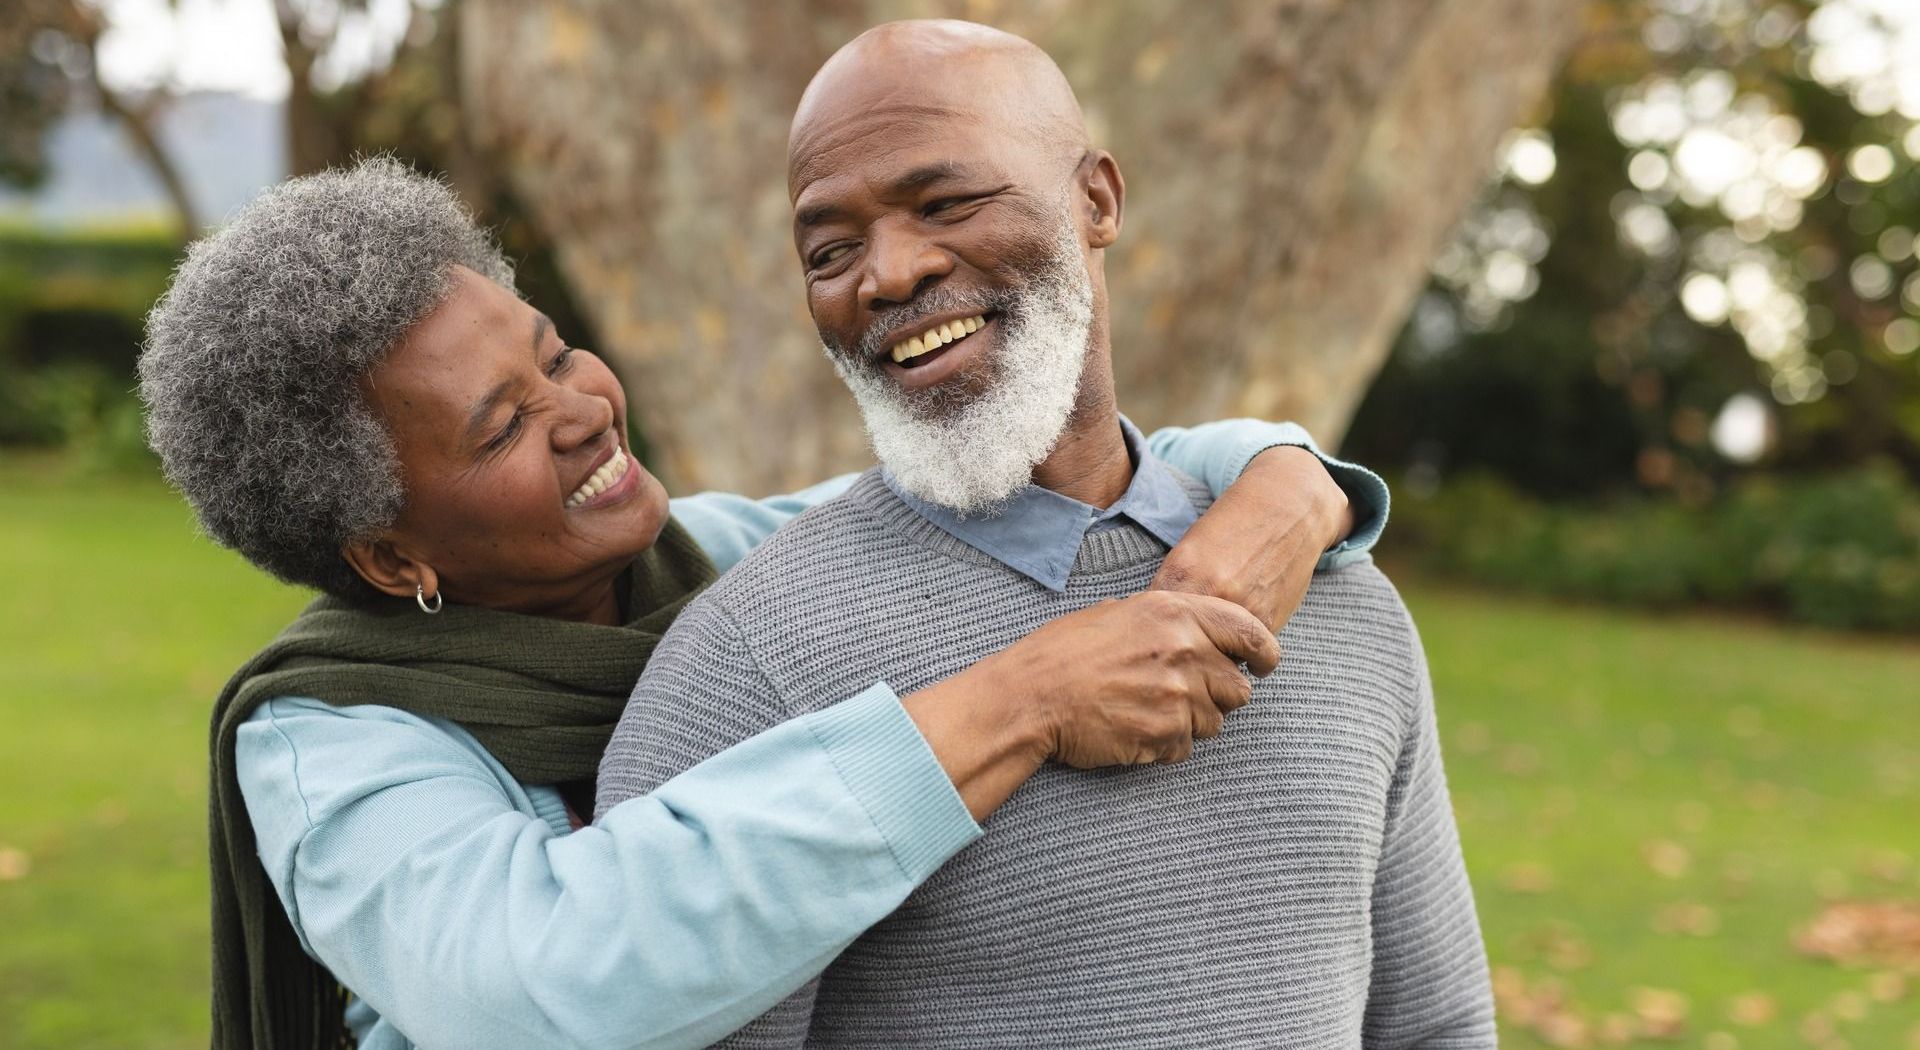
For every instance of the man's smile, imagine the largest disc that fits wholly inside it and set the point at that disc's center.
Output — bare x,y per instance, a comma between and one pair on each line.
934,338
939,351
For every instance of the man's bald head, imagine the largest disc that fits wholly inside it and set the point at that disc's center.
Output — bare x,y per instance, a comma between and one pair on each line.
944,72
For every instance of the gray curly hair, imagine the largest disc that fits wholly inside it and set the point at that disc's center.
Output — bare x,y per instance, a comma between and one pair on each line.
255,356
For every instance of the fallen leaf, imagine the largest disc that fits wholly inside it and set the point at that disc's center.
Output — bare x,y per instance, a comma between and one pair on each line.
1689,918
1831,884
1849,1006
1887,987
1691,816
1520,760
1564,1030
1752,1009
1542,1007
1667,858
1864,933
1889,865
1817,1028
1662,1012
14,864
1762,795
1471,738
1527,877
1618,1030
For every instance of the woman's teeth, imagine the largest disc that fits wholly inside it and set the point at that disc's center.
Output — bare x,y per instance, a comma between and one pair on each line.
934,338
610,471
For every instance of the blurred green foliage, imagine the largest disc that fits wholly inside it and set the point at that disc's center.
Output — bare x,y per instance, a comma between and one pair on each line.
72,304
1689,146
1839,550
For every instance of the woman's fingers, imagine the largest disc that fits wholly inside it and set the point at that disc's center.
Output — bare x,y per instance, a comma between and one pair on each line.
1236,633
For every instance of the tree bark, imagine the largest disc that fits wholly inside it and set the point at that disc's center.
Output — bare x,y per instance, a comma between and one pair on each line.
1292,166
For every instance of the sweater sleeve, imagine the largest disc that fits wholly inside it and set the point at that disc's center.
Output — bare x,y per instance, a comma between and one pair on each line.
1216,454
727,526
702,691
399,852
1430,986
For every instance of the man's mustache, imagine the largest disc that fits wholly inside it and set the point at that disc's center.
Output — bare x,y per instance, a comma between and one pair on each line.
895,322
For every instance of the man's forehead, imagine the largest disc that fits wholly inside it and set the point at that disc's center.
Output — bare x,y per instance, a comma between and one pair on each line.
835,139
907,158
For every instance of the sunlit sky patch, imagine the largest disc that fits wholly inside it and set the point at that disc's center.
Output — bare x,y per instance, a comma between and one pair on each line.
233,45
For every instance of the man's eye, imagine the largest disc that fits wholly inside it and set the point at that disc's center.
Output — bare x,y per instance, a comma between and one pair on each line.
561,361
828,255
946,204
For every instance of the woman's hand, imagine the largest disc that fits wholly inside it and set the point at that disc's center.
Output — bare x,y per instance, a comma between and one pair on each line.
1128,681
1258,544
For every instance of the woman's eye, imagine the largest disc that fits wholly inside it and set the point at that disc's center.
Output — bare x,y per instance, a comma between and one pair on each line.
506,434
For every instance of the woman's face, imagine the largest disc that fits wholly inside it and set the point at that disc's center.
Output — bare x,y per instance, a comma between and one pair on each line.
521,493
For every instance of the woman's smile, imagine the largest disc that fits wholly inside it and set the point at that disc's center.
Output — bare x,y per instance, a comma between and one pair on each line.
613,480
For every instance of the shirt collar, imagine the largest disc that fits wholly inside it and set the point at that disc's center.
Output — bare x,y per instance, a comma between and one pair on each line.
1037,532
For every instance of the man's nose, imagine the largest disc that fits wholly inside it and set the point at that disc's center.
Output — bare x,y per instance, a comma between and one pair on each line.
899,266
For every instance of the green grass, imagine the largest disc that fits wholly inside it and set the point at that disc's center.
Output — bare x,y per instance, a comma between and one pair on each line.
1764,770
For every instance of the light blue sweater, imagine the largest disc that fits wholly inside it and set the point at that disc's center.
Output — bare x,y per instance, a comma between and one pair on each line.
462,910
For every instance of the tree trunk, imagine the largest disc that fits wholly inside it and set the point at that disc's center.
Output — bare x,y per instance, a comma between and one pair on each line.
1292,166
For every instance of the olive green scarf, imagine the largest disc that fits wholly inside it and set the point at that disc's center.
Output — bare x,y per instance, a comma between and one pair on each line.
542,695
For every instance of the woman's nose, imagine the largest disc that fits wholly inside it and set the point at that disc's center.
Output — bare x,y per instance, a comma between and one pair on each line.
584,417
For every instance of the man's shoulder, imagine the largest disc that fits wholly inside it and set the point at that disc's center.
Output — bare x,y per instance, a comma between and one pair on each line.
1353,622
832,537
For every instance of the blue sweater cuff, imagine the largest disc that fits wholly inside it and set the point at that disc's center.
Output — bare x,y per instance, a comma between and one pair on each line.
892,772
1365,490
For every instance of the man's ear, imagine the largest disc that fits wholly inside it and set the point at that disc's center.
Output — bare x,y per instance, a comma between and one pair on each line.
1106,198
391,570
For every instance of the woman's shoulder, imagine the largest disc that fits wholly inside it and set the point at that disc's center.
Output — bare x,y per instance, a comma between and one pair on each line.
307,757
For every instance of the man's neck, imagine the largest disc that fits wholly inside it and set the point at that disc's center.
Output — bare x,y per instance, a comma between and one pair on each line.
1090,463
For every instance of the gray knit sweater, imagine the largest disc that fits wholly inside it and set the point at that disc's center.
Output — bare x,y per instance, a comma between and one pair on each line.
1297,883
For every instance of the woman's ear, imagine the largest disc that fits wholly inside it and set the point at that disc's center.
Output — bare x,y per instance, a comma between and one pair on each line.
1106,198
390,570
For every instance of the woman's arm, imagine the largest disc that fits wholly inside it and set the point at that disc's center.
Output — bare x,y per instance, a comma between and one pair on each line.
398,849
1217,455
1283,510
727,526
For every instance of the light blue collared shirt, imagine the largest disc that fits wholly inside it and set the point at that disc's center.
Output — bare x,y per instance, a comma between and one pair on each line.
1037,531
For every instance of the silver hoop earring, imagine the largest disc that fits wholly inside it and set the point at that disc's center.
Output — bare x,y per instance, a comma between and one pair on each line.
420,596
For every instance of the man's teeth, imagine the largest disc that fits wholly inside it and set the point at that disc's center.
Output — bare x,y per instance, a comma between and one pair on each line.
934,338
602,479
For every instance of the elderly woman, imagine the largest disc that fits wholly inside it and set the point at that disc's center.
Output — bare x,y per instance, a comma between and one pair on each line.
346,389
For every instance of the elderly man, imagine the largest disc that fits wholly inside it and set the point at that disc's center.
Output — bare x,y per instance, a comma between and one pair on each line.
1299,881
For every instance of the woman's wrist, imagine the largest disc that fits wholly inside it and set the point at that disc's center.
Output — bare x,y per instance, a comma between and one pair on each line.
985,732
1330,512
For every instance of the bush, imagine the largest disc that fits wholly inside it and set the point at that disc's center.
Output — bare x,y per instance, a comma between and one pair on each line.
72,308
1839,551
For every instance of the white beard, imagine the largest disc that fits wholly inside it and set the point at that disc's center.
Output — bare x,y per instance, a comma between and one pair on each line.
970,456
